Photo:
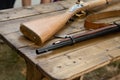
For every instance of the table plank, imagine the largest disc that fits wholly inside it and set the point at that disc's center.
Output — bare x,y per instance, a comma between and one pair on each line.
78,59
69,66
31,11
45,8
16,13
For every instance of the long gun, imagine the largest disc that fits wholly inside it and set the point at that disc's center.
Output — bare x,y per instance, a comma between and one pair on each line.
78,38
90,23
41,30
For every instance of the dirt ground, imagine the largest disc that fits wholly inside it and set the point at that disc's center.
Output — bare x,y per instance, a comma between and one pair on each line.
11,64
105,73
12,67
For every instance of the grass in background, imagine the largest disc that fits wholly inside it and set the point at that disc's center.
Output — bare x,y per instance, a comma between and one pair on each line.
104,73
11,64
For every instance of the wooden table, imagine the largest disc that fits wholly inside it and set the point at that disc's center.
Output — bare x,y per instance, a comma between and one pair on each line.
65,63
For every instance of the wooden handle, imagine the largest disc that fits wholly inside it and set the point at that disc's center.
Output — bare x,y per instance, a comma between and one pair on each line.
42,29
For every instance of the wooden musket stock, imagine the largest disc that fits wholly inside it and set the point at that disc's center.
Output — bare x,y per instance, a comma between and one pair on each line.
41,30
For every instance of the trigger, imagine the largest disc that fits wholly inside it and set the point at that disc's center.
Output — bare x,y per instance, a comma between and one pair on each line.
81,14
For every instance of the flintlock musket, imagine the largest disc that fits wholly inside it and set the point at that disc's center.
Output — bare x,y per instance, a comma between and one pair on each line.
41,30
98,29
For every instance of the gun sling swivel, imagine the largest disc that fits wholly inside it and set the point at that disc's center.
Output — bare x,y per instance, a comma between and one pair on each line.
99,29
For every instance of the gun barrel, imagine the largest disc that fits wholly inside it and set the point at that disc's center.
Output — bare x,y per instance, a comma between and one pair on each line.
79,38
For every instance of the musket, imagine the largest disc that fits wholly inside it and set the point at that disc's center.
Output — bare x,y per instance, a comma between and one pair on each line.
41,30
81,37
98,29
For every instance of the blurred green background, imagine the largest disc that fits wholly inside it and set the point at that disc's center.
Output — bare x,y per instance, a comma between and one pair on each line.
11,64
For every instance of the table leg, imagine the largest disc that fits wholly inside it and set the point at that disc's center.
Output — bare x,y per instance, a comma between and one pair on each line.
32,72
45,78
79,78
